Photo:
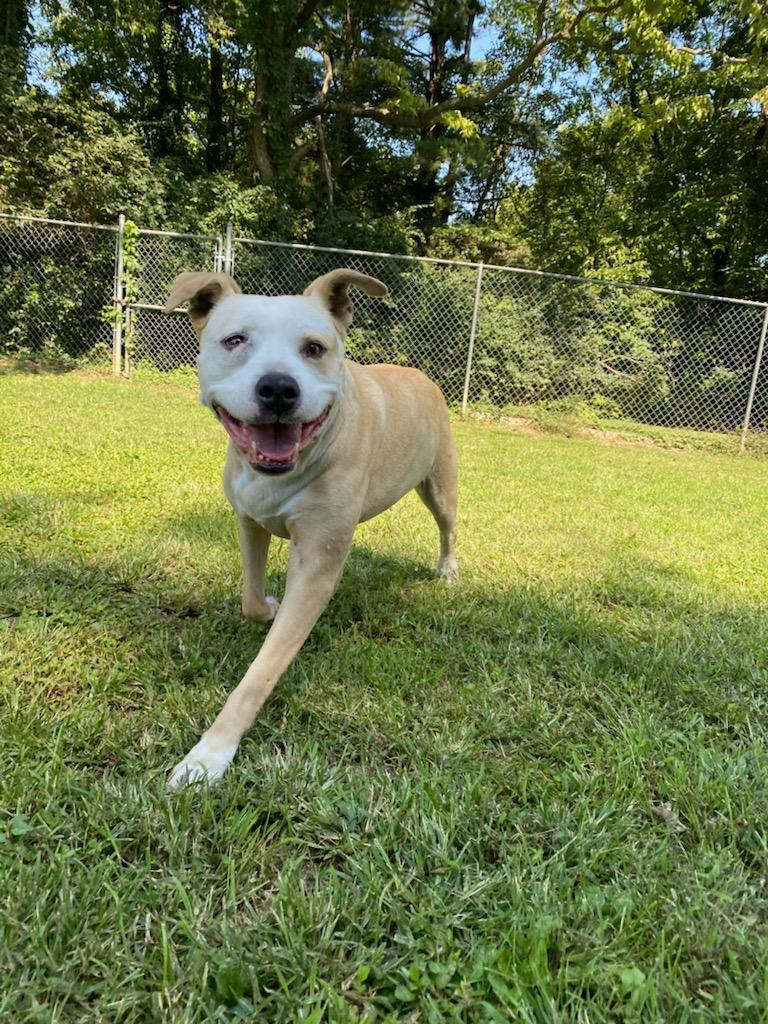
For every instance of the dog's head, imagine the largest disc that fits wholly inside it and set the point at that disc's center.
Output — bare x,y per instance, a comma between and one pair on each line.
271,368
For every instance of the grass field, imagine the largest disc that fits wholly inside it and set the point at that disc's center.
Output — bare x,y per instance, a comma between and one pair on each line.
538,796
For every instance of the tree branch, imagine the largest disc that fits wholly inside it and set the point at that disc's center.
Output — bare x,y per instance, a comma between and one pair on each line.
303,150
386,115
700,51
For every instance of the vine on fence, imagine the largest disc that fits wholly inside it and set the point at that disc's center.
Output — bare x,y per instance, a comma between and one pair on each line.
118,312
129,285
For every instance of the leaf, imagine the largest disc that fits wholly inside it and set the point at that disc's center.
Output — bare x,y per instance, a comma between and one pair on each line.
632,979
21,826
458,123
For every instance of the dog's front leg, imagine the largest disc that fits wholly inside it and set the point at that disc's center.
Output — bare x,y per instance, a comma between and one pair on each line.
314,567
254,546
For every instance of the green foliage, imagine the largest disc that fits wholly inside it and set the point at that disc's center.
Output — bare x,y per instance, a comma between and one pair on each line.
131,261
74,160
487,242
205,203
661,176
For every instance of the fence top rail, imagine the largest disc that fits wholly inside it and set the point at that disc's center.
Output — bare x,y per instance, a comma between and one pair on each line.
153,306
179,234
61,223
509,270
357,252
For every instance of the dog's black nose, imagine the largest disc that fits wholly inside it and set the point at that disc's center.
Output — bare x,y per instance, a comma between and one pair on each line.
278,393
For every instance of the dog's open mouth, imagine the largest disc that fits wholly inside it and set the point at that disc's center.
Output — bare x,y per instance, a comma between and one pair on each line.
270,447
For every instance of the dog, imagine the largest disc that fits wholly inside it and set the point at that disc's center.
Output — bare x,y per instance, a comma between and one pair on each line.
317,444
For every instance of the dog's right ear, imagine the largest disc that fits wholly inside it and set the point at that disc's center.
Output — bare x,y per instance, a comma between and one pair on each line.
203,289
332,291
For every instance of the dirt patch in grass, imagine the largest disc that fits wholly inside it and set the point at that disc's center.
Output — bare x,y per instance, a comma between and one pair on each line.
632,434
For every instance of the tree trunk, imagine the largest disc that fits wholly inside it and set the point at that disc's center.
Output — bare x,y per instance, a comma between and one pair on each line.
168,112
720,258
433,196
14,22
426,188
214,143
258,144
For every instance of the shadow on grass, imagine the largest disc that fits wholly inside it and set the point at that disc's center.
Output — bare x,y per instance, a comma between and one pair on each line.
645,624
18,365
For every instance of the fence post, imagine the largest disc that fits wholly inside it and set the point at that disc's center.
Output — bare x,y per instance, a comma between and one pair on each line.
753,385
117,299
128,340
472,333
229,253
218,254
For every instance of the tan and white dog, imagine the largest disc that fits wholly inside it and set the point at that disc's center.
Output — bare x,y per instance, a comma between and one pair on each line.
317,445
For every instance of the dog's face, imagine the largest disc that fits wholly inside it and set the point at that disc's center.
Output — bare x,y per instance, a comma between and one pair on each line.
271,368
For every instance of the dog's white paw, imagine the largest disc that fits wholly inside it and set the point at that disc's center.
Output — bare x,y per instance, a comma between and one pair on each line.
201,765
259,615
448,569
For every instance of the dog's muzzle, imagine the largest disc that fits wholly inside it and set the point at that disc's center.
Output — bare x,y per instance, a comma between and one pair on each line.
270,447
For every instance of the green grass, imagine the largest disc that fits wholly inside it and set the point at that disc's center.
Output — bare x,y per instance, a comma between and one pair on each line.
538,796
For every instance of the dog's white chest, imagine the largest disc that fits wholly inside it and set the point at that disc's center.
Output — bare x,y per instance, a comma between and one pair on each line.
270,502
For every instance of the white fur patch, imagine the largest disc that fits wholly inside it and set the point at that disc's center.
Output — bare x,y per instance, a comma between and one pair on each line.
201,765
448,569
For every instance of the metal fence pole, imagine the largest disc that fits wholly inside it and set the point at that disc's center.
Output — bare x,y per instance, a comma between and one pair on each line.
128,341
117,299
472,333
218,254
753,385
229,253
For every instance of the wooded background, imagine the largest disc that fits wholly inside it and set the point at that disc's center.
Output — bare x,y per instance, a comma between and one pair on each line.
624,140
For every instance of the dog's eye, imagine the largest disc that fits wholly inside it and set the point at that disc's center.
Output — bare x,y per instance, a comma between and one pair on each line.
314,350
232,341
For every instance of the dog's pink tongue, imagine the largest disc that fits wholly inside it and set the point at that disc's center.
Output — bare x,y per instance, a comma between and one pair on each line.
276,440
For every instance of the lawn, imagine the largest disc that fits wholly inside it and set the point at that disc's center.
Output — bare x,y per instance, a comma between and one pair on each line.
540,795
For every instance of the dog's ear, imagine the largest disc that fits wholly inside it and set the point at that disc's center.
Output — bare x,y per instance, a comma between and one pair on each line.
331,291
203,289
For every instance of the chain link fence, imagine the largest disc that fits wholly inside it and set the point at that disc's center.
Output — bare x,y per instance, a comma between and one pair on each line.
497,338
518,340
57,286
166,341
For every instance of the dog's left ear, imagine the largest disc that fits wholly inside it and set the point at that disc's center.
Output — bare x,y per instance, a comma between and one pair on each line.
331,291
203,289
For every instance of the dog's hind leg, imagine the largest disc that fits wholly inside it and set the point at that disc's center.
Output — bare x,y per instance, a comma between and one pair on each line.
438,492
254,545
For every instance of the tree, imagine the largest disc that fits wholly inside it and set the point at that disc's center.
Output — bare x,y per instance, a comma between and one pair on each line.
621,137
666,178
